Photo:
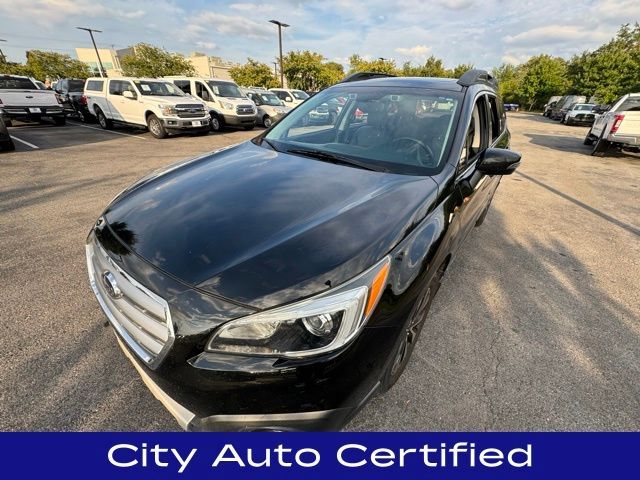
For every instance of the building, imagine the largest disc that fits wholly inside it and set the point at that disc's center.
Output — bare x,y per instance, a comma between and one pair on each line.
210,67
110,59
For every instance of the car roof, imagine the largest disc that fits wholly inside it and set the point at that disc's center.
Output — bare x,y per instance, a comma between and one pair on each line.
450,84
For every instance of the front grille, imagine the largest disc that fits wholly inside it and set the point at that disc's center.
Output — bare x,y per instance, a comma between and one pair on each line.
140,316
585,116
245,110
185,110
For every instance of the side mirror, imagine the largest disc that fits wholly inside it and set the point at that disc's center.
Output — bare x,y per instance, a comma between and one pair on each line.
129,94
288,99
498,161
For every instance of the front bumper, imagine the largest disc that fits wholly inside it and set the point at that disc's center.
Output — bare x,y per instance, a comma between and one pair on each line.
186,124
239,120
32,112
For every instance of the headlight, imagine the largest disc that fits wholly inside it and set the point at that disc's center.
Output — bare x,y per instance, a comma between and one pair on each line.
226,105
317,325
167,110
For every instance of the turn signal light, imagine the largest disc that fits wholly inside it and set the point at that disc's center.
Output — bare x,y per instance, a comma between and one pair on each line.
617,120
377,287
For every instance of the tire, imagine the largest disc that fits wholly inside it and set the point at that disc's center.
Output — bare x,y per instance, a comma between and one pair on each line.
81,116
410,332
266,121
155,127
104,122
60,121
568,122
563,119
216,123
588,140
7,146
601,146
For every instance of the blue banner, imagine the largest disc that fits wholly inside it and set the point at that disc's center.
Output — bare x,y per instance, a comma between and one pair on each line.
320,456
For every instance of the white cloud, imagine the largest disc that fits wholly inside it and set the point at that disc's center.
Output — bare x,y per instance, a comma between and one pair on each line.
252,7
207,45
417,51
231,25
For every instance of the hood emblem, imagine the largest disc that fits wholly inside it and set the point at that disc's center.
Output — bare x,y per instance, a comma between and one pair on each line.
111,285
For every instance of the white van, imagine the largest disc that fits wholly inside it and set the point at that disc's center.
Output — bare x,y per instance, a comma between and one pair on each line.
226,103
147,102
290,97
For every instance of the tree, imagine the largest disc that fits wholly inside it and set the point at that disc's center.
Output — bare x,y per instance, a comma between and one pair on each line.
42,65
459,70
610,71
433,67
380,65
508,77
309,71
254,73
542,77
150,61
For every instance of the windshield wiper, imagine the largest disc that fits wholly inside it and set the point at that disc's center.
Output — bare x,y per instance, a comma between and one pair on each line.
335,158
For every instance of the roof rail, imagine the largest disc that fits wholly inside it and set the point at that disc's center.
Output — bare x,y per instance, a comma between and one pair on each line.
473,77
356,77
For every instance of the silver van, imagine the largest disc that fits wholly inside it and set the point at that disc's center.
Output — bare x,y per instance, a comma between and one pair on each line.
270,107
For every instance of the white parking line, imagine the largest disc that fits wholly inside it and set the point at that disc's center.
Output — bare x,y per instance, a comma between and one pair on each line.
35,147
108,131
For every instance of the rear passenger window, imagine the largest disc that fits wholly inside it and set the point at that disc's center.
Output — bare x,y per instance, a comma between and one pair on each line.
95,85
495,127
184,85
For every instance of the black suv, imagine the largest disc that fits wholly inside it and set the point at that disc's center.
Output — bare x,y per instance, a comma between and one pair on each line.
279,283
70,91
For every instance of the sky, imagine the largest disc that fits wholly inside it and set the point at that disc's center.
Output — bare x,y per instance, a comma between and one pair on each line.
484,33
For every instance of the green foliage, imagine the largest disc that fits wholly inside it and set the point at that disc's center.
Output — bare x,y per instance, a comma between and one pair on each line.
150,61
42,65
309,71
254,74
610,71
460,69
541,77
508,77
380,65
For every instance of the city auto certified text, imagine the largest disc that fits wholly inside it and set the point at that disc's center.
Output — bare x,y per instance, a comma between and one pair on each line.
352,455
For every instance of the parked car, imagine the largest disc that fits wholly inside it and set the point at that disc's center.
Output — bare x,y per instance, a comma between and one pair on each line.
71,94
153,103
546,110
511,107
278,284
618,128
290,97
579,114
559,110
6,143
226,104
270,108
21,99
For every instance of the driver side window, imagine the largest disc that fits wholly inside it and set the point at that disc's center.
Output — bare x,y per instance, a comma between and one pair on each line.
476,136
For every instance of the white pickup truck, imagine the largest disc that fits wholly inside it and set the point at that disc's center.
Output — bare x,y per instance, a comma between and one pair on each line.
619,127
145,102
20,98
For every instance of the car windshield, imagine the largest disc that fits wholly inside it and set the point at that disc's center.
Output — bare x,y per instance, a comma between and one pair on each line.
225,89
585,107
76,85
270,99
299,94
16,83
160,89
396,129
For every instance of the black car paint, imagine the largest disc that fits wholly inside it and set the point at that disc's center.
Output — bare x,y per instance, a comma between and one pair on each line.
6,143
270,259
71,98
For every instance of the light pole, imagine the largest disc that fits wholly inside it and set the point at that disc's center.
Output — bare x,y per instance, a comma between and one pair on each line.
280,27
91,30
275,69
2,57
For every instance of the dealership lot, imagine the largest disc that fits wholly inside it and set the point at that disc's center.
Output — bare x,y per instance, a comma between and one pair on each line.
537,326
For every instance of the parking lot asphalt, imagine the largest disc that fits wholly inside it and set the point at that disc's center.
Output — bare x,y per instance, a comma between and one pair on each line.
537,326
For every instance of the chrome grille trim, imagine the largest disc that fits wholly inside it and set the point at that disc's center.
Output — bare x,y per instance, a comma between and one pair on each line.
141,318
245,110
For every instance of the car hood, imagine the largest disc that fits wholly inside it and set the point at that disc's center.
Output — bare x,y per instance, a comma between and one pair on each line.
171,100
263,227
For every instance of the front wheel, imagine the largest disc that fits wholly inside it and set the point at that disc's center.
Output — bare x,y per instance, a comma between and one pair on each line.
216,123
568,122
411,331
588,140
267,122
155,127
